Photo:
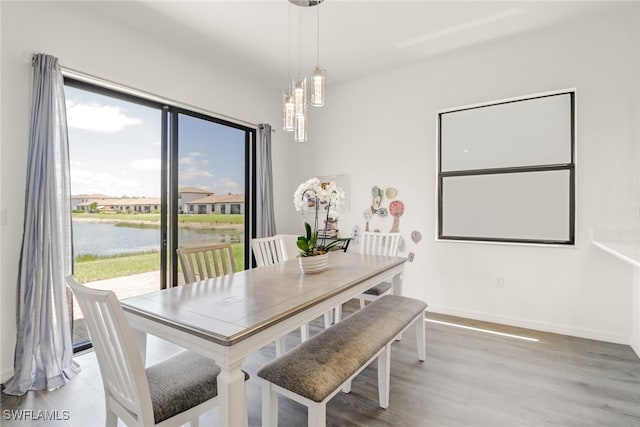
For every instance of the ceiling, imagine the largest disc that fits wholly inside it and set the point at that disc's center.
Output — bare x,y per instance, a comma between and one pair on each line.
357,37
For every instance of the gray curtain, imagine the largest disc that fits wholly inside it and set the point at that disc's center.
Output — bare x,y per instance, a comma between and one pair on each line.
265,222
44,348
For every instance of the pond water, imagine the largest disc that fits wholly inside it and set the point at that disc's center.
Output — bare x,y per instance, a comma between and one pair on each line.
101,238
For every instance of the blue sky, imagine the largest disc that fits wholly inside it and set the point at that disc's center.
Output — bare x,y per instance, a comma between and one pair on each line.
114,149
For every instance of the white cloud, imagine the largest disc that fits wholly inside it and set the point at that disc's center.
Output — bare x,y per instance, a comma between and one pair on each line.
114,183
98,118
194,166
194,158
191,174
226,185
146,164
85,181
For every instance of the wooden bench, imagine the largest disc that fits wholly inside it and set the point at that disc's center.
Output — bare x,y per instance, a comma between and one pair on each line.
320,367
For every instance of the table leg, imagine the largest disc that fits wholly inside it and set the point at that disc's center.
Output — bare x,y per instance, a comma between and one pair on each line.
232,395
397,290
397,283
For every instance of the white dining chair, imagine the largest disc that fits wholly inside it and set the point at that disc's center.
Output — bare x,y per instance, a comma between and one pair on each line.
269,250
386,244
170,393
205,262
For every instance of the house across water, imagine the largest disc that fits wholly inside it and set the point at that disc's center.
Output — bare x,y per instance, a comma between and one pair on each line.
191,201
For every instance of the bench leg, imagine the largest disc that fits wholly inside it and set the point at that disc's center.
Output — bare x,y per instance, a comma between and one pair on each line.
347,387
280,347
327,319
361,298
317,415
421,331
269,405
384,371
338,315
304,332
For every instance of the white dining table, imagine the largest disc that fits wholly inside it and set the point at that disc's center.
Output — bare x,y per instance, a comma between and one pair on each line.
229,317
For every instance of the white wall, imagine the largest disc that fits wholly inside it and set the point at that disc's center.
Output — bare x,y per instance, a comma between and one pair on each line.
381,130
98,46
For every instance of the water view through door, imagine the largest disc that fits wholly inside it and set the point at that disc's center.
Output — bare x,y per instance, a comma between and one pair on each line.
115,152
116,146
212,181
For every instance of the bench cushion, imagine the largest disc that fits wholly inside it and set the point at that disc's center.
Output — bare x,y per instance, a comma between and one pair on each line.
320,365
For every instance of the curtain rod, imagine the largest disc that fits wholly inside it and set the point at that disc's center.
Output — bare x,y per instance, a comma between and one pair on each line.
88,78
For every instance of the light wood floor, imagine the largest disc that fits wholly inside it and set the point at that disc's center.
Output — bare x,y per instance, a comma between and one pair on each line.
470,378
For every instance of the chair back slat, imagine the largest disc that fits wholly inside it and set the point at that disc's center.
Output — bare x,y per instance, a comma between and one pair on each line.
121,366
387,244
204,262
269,250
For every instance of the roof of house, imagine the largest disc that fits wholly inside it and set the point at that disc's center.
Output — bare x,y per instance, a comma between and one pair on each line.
91,196
134,201
218,198
194,190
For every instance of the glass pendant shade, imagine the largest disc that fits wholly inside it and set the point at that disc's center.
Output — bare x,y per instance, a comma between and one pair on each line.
300,110
288,112
317,87
300,134
300,96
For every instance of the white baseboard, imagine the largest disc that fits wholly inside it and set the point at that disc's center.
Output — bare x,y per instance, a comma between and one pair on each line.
534,324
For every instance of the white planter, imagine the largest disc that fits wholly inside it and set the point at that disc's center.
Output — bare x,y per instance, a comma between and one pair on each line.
313,264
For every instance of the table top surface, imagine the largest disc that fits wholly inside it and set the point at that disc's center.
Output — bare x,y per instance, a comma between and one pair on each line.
230,308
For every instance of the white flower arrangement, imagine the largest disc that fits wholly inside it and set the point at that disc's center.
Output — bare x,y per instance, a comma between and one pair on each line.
315,195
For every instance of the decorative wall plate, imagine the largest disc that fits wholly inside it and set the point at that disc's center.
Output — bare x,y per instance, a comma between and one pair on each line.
391,193
396,208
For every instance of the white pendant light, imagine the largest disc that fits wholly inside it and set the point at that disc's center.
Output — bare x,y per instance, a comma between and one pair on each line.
288,111
317,87
300,97
295,116
319,75
300,110
300,134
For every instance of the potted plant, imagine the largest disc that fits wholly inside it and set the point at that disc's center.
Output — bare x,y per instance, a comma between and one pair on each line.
316,197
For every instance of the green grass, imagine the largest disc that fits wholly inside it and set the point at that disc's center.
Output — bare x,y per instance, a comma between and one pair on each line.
212,218
182,219
89,268
137,224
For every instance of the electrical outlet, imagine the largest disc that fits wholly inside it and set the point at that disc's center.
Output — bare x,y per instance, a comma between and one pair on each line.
500,282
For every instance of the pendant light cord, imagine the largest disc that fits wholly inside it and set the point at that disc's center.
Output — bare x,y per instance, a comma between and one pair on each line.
299,41
318,37
290,68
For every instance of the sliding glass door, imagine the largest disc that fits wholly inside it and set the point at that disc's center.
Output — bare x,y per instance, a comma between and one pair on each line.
212,171
147,178
115,156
